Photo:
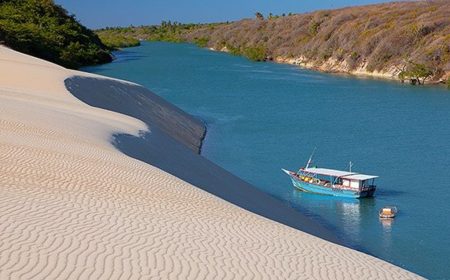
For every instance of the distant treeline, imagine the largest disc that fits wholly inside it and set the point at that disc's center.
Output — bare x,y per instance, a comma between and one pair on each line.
411,39
119,37
44,29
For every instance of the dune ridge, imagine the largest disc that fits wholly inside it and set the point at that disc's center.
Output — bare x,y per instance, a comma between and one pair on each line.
74,207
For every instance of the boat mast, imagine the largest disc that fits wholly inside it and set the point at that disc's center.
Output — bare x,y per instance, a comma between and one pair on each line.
310,158
350,165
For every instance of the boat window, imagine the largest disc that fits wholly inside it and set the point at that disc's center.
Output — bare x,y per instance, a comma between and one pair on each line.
354,184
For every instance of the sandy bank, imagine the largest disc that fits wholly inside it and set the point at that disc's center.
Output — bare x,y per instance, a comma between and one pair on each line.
75,207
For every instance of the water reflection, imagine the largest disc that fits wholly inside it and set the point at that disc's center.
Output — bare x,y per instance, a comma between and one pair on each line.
387,234
350,214
387,224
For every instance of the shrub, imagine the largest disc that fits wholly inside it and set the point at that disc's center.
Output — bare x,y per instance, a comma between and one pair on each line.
354,56
314,28
201,42
258,53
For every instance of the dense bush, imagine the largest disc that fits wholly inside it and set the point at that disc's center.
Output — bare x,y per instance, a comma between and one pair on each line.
43,29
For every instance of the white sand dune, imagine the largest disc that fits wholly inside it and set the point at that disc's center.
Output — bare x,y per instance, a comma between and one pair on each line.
72,206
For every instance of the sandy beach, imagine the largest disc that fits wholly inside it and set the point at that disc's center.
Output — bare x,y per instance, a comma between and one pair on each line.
100,179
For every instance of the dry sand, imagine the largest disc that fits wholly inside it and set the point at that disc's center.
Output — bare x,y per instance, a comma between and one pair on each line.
72,206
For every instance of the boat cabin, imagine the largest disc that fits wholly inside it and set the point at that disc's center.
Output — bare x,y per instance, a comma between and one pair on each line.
358,181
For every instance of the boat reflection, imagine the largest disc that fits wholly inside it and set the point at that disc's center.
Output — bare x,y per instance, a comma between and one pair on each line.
348,213
387,233
387,224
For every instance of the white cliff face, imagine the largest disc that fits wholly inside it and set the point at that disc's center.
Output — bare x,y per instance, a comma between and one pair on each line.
336,66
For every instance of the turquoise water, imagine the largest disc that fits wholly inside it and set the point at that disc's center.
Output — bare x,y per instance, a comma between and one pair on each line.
262,117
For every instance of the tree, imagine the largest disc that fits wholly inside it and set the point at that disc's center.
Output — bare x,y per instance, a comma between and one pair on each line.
416,73
259,16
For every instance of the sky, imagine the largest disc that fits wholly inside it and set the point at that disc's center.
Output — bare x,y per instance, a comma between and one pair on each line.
101,13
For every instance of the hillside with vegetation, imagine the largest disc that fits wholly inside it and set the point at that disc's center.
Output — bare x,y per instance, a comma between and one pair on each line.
409,41
43,29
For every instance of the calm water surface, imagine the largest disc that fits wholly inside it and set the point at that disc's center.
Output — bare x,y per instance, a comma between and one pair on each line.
262,117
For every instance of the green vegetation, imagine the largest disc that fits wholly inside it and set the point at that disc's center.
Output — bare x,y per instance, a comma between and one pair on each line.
117,37
201,42
448,82
114,40
314,28
257,53
43,29
416,73
120,37
233,50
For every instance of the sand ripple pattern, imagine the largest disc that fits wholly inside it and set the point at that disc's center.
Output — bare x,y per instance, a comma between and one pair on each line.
73,207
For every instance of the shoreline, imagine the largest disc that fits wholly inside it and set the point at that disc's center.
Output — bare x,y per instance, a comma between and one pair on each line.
96,176
332,66
203,137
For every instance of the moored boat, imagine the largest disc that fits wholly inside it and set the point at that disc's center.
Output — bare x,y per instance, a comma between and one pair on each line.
388,212
332,182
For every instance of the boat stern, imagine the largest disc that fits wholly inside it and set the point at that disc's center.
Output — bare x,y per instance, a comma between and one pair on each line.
369,192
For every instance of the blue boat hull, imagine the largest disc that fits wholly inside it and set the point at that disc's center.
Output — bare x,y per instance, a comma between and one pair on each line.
313,188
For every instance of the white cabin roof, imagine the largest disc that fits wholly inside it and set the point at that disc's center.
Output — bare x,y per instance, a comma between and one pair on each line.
338,173
328,172
360,177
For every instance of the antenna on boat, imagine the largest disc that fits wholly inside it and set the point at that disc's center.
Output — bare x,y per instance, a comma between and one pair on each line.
350,165
310,158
